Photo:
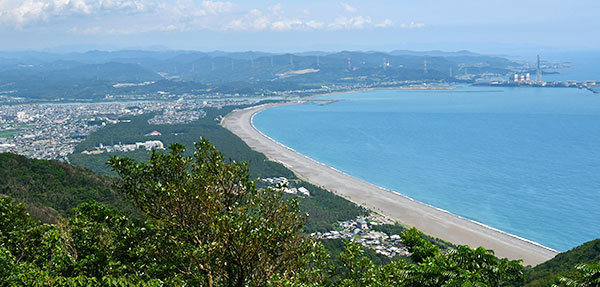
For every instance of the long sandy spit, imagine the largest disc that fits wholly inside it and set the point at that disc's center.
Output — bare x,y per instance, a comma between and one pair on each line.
430,220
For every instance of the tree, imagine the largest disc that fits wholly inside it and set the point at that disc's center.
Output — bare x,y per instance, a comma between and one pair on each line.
352,268
461,266
96,247
419,248
587,275
21,236
222,229
207,224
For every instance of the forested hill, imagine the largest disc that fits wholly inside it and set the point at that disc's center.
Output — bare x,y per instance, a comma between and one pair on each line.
564,264
51,188
99,246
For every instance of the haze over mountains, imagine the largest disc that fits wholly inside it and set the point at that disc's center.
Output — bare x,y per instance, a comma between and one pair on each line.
94,74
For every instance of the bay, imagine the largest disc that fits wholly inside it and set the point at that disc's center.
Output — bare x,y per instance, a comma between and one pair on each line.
523,160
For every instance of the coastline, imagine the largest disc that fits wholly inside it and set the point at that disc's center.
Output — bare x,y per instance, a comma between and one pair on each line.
429,219
400,88
396,193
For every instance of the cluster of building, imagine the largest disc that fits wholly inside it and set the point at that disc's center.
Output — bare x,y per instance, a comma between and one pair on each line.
148,145
360,230
48,131
51,131
521,78
276,181
524,79
284,184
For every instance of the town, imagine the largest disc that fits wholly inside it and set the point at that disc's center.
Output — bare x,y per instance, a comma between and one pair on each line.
52,131
148,145
361,230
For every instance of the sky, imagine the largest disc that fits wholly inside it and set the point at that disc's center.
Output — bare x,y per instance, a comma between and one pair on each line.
504,26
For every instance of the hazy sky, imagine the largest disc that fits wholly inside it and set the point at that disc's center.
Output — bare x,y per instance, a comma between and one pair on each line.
479,25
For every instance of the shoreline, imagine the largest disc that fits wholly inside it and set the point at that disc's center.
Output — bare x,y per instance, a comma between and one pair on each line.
400,88
397,193
408,211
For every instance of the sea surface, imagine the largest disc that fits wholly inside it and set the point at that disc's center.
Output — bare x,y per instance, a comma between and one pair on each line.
584,66
523,160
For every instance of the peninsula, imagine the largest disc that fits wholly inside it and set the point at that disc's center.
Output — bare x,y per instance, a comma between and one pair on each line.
407,211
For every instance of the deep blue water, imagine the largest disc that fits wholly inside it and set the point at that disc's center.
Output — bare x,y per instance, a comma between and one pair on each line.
523,160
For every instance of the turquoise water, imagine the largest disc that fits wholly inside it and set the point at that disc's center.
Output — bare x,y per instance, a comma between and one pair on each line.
523,160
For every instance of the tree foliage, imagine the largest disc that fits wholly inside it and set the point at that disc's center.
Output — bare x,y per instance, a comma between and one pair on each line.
186,134
462,266
564,264
227,231
51,189
587,275
206,224
324,207
96,247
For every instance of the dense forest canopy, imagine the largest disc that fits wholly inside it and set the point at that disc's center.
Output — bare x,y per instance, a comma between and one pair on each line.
51,188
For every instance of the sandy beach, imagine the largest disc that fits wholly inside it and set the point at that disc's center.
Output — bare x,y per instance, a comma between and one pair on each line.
430,220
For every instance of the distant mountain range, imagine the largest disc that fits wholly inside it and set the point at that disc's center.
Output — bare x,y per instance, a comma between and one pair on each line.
93,74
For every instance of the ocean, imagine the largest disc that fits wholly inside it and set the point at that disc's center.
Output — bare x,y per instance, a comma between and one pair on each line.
584,66
523,160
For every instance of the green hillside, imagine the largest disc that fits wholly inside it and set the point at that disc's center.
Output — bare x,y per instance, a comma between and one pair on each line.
52,188
325,208
206,224
99,246
563,265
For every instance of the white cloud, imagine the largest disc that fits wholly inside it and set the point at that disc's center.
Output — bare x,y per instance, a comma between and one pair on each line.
23,12
276,9
312,24
412,25
357,22
272,18
216,7
385,24
138,16
254,20
286,25
170,28
348,7
20,13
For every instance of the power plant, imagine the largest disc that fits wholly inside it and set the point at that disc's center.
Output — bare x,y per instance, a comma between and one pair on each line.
526,77
538,70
